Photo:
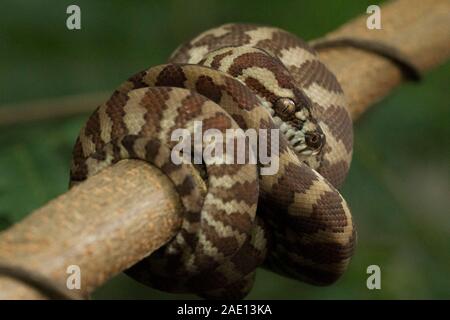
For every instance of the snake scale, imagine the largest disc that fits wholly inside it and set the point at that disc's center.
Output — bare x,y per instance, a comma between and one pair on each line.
294,222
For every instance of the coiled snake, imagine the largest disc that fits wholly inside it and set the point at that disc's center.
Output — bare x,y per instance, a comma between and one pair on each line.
293,222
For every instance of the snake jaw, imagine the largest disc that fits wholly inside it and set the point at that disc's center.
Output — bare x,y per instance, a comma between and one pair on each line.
301,131
306,138
294,118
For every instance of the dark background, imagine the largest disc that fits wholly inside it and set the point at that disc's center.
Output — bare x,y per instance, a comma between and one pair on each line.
398,186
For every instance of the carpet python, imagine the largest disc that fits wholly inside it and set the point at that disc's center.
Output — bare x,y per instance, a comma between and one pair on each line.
294,222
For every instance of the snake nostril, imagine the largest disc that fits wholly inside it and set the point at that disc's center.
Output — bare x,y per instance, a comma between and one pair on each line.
314,140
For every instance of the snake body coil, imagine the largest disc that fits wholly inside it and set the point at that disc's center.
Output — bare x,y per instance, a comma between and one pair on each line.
293,222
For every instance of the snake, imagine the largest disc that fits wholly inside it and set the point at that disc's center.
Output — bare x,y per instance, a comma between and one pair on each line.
235,219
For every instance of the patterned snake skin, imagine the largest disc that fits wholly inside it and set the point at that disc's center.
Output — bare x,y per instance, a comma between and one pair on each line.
293,222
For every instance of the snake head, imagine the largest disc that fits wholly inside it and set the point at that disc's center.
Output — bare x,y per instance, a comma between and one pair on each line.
272,82
293,117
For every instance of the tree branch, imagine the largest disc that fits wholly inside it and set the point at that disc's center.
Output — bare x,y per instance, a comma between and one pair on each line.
51,108
121,215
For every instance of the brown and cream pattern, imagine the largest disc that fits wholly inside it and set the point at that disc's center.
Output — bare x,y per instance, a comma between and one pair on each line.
294,222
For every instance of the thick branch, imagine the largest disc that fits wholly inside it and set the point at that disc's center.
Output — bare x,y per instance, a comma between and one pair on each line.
104,226
129,210
419,29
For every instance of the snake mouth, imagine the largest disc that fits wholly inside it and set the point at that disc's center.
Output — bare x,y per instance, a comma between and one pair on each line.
310,143
304,136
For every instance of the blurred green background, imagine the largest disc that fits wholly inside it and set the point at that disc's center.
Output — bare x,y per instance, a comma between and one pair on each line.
398,187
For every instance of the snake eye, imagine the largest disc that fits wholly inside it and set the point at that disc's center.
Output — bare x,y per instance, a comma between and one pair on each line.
314,140
285,106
